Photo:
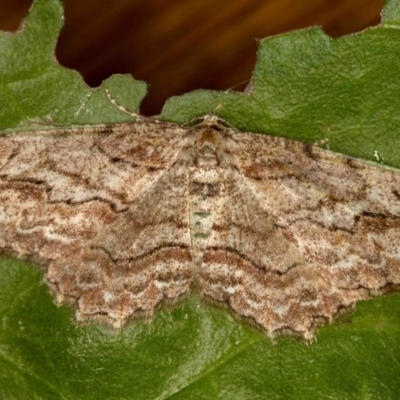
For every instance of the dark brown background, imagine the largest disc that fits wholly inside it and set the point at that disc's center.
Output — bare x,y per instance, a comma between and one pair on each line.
180,45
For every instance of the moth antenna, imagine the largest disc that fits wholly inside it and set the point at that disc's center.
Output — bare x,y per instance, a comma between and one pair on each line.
122,108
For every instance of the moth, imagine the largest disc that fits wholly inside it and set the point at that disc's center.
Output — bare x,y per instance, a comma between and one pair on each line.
123,218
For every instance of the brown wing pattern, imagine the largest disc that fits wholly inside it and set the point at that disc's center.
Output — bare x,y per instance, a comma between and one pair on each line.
305,233
66,197
125,217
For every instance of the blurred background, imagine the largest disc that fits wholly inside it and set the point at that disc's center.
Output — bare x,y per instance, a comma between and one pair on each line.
177,45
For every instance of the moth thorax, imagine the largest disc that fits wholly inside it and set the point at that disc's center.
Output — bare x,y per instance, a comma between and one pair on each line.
207,144
207,155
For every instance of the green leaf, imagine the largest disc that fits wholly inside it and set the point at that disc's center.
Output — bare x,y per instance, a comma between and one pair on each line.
306,86
36,90
391,13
